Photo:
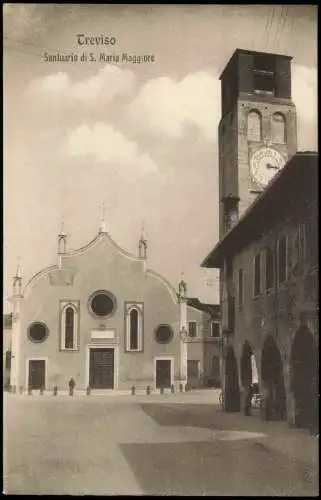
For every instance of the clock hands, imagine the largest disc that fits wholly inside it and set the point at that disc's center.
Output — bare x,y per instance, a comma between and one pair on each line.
268,165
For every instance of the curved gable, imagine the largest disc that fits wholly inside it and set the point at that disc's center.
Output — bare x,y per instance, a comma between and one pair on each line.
97,240
77,252
40,274
166,283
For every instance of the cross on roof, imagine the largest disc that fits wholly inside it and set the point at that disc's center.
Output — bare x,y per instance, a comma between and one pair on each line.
103,209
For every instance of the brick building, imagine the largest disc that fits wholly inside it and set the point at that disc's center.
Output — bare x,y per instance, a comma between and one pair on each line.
268,248
103,318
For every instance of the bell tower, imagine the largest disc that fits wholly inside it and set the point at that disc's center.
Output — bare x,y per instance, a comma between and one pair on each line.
257,131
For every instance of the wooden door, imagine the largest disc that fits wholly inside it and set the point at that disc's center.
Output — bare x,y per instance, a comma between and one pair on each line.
163,373
101,370
37,374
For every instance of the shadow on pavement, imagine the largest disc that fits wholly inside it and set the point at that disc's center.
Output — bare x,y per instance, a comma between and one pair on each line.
216,468
207,416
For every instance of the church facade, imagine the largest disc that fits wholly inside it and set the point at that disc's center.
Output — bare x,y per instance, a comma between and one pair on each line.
102,318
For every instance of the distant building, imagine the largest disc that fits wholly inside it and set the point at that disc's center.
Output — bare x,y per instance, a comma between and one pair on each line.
101,317
203,351
268,248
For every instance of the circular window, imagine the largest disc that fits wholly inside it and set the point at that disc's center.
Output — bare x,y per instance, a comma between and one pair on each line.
163,334
102,303
38,332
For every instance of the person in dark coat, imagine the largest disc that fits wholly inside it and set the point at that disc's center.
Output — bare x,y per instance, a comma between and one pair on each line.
72,384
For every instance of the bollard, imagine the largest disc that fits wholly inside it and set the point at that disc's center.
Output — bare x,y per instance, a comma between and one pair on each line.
181,388
148,390
55,390
29,391
133,390
41,391
88,391
162,390
172,389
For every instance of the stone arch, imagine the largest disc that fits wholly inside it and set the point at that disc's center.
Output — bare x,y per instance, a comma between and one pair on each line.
232,389
249,376
278,128
254,125
304,379
274,395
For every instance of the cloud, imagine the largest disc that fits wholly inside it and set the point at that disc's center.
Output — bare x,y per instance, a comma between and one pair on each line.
107,145
167,107
110,82
305,97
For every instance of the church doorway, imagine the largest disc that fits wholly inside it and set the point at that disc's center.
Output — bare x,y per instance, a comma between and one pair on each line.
37,374
232,389
304,378
163,373
274,397
101,368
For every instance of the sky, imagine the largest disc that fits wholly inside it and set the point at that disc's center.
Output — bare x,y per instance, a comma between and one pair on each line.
140,138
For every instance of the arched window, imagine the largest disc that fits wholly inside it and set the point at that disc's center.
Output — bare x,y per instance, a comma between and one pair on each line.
133,329
278,128
69,326
134,326
254,126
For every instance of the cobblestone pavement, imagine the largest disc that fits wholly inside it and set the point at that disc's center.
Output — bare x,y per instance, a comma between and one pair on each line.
162,444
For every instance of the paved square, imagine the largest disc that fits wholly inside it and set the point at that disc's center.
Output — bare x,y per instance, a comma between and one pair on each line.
169,444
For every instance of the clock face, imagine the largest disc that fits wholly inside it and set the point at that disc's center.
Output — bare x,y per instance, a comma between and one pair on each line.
265,163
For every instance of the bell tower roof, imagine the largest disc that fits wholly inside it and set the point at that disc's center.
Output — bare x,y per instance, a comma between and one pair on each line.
237,54
257,75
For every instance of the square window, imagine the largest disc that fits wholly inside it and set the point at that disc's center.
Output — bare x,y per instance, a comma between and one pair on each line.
192,329
215,329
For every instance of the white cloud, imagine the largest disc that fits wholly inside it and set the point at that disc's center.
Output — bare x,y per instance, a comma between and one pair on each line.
107,145
166,106
110,82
